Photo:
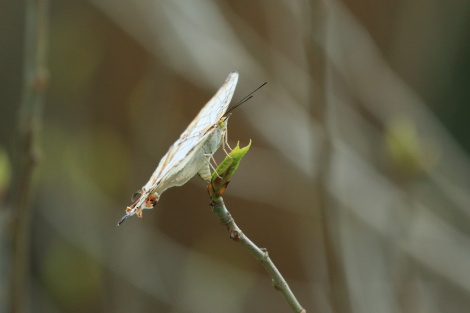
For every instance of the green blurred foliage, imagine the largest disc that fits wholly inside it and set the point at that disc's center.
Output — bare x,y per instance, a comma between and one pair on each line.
77,52
410,155
5,171
71,277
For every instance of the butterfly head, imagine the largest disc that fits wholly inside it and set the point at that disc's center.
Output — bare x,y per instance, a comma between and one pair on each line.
142,200
224,120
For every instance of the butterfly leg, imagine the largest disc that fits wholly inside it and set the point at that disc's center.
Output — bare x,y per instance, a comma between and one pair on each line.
210,157
225,142
226,139
205,171
213,160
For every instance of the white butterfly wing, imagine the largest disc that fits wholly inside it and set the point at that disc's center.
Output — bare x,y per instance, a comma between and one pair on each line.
180,151
194,134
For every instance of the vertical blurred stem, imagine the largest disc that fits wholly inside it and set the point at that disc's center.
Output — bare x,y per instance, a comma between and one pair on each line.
35,78
323,73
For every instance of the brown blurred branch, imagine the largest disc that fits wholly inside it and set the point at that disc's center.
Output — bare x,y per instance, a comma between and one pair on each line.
16,243
260,254
321,70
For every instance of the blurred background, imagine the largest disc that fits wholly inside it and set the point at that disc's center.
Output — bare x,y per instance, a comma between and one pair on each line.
356,182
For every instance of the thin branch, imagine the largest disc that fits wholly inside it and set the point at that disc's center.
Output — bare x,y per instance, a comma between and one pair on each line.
26,157
259,253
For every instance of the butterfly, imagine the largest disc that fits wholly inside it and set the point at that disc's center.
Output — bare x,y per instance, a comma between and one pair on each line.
191,153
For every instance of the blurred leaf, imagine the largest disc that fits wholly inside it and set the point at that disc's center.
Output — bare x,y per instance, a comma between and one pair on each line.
99,155
110,162
103,158
409,154
75,51
71,276
5,171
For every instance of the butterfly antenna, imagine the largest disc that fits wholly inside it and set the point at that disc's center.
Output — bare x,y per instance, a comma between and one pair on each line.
245,99
123,219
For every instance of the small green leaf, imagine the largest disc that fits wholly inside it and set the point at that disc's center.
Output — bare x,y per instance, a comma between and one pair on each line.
221,177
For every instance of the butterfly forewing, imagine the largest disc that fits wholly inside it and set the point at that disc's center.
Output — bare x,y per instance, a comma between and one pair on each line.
213,110
173,169
194,134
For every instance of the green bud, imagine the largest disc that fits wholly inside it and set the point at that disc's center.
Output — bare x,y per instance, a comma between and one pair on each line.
225,170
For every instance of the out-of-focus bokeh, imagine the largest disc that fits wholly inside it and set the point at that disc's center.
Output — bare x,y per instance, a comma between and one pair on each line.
357,181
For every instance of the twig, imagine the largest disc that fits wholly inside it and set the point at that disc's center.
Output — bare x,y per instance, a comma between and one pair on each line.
20,211
260,254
